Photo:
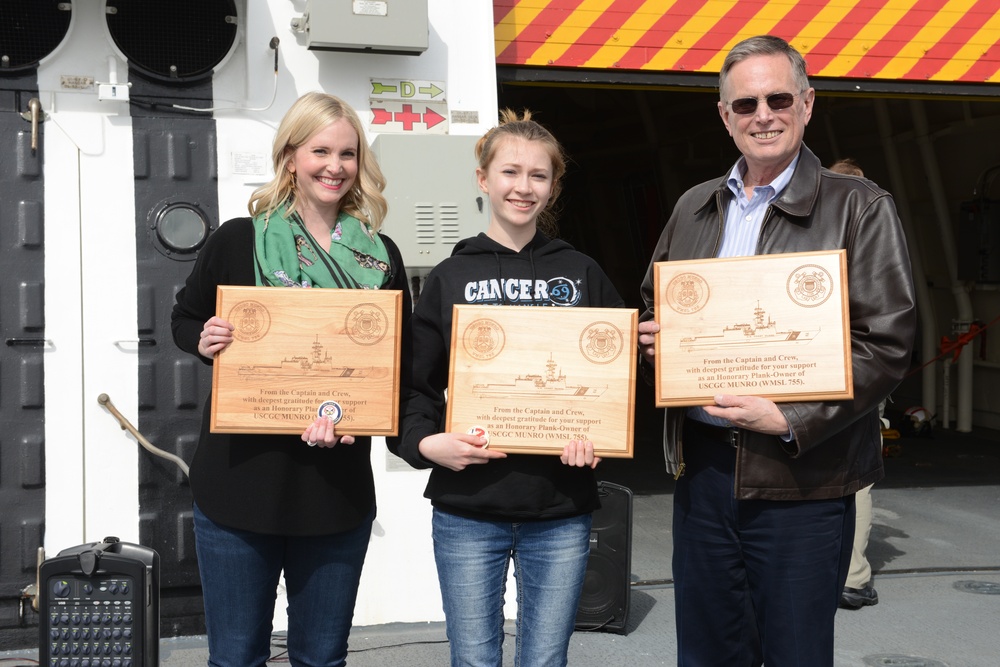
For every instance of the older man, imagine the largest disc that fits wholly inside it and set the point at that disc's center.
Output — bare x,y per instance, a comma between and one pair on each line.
764,503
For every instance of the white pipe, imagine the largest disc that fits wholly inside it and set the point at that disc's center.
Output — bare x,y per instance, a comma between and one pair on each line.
963,417
925,306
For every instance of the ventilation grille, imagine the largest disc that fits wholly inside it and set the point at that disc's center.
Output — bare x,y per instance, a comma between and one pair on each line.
450,233
178,41
423,217
436,223
30,30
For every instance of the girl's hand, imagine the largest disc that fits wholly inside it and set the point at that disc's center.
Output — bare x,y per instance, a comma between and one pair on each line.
322,433
580,453
216,336
455,451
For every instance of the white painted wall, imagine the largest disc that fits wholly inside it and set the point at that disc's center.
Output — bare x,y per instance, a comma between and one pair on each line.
90,301
90,262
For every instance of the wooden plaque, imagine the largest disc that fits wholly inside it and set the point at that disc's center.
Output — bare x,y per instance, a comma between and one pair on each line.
536,378
300,352
775,326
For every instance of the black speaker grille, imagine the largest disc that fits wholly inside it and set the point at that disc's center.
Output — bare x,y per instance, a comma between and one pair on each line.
605,598
602,588
30,30
176,40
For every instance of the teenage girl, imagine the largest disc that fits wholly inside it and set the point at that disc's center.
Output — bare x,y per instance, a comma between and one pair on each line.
491,509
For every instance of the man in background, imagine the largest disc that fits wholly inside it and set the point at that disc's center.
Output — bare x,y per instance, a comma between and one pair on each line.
858,590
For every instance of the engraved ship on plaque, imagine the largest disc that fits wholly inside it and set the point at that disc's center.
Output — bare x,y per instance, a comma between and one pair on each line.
318,364
743,334
533,385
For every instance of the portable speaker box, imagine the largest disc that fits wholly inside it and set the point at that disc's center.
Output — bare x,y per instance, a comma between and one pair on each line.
99,604
604,601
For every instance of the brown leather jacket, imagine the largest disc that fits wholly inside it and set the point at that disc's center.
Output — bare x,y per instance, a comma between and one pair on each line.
837,446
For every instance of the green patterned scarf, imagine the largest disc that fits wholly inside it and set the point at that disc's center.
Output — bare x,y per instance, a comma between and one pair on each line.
287,255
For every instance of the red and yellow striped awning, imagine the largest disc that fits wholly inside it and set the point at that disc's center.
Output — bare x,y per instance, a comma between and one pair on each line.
913,40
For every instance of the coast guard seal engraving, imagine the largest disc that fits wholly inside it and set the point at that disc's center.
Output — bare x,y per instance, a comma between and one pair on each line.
687,293
250,320
810,285
483,339
366,324
601,342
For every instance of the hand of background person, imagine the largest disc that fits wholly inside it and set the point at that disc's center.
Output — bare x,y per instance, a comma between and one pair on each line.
750,412
647,340
455,451
579,453
323,433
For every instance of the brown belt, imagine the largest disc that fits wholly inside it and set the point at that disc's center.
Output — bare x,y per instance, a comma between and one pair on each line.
724,434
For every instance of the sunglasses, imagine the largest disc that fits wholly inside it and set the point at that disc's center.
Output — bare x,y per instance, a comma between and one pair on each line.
776,102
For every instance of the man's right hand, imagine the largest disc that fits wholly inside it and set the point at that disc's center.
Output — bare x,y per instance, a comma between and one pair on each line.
647,340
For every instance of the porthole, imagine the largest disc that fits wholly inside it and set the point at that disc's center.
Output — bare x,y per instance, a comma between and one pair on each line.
179,230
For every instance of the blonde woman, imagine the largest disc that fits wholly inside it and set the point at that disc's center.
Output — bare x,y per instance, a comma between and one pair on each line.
304,505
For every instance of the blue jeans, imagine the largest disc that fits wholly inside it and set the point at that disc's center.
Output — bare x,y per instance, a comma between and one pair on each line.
239,577
550,562
755,581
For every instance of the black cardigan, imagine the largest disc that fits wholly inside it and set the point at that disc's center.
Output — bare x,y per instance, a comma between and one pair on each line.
271,484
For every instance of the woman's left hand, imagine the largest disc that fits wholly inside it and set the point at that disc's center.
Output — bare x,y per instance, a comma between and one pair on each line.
322,433
579,453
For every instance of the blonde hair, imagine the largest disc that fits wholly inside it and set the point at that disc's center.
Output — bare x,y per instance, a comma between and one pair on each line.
308,115
513,126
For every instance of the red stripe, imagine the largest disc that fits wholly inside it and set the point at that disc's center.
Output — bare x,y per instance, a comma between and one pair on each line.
656,37
594,37
950,44
796,19
536,32
986,67
500,10
841,34
716,38
896,38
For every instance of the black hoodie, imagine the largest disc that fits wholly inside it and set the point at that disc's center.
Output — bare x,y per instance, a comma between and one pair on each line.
480,271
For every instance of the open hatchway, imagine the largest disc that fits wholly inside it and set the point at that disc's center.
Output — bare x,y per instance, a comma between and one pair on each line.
633,150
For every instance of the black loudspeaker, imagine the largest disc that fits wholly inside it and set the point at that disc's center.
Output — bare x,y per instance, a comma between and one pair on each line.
604,600
99,605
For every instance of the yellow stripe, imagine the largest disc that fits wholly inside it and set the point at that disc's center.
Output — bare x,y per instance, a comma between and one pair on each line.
927,37
566,34
833,13
689,33
761,24
973,50
510,26
867,37
629,34
821,25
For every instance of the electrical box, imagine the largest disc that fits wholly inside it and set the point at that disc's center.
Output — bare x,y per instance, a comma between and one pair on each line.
434,199
978,245
371,26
